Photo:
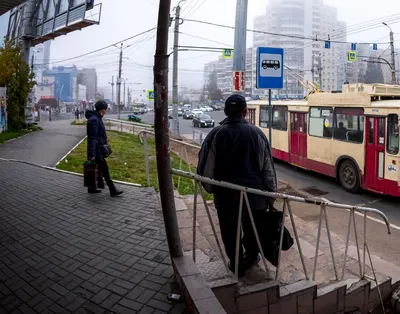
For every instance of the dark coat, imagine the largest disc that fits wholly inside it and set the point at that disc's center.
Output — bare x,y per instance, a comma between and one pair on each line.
239,153
96,135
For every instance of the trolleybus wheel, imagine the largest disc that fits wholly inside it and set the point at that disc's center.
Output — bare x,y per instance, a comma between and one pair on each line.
349,177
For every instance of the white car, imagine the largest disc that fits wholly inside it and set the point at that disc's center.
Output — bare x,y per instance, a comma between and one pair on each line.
197,111
208,108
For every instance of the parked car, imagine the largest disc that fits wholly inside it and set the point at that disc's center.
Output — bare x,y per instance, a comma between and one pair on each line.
170,114
188,115
203,121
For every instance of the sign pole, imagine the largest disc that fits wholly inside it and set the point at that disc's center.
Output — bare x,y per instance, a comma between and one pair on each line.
270,116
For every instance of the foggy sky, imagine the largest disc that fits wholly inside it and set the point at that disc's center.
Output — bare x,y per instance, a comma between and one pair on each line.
124,18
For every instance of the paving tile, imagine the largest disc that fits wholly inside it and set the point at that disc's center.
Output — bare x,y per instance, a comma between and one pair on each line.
70,253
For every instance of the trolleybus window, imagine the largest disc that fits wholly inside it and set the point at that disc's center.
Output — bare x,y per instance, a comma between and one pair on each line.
321,121
393,134
251,116
279,118
349,124
264,118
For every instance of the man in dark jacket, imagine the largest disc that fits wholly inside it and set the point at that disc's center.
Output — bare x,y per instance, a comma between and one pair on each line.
239,153
96,138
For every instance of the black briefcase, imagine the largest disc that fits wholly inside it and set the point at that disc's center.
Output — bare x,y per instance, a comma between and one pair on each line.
90,174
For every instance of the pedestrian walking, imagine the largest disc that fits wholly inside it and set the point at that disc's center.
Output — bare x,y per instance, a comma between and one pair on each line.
98,147
77,113
239,153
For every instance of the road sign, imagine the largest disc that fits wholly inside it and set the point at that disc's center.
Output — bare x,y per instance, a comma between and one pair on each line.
150,95
353,47
227,53
374,46
238,81
269,68
327,44
352,56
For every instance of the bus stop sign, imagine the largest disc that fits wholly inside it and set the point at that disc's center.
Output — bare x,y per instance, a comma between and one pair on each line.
269,68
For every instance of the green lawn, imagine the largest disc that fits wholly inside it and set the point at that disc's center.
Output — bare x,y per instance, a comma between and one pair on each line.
78,123
126,163
8,135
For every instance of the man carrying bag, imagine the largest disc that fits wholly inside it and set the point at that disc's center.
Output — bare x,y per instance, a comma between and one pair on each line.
98,148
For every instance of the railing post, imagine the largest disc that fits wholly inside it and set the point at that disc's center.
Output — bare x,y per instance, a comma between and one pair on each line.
180,168
289,207
146,158
317,244
213,228
256,232
328,231
347,244
357,245
365,243
194,137
238,235
201,138
194,220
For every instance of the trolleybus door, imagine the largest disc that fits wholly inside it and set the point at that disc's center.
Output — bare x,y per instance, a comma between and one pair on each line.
298,139
375,154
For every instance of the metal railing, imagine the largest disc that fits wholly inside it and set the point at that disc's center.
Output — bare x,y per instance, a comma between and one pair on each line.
287,209
130,127
324,205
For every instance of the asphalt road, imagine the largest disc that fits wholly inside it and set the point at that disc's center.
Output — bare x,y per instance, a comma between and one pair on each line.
303,180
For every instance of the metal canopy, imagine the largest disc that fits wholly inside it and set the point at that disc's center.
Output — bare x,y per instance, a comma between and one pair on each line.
7,5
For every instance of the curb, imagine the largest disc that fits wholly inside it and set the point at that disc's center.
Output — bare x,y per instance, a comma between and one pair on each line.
64,171
70,151
15,138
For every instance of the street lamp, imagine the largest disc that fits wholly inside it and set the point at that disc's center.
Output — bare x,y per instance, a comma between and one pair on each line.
393,67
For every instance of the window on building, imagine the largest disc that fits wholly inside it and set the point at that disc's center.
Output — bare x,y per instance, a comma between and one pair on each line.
393,134
280,118
251,116
349,124
321,122
264,117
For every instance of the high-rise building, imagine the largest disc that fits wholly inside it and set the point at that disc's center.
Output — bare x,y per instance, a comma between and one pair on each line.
88,77
41,59
224,68
286,23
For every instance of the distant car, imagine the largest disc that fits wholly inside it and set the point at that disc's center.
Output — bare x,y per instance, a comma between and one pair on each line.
170,114
208,108
203,121
180,112
197,111
188,115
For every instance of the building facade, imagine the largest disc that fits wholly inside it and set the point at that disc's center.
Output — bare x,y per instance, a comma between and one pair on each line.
41,59
65,82
296,20
224,68
88,77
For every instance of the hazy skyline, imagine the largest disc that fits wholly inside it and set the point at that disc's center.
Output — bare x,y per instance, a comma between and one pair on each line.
124,18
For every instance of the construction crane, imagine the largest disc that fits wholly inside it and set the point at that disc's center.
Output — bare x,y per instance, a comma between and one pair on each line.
309,86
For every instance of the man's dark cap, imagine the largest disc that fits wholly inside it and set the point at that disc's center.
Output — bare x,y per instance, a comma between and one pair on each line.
100,104
235,105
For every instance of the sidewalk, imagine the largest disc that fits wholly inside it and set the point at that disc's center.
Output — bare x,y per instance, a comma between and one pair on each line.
45,147
64,251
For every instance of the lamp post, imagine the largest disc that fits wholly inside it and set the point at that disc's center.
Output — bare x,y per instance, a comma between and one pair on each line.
393,67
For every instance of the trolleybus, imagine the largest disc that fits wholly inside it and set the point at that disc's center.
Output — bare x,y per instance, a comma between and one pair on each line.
352,136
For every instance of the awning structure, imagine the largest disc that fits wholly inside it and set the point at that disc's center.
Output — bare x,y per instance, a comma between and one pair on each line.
7,5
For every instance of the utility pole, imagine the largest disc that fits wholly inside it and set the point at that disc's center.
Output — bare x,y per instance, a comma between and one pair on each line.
287,91
312,69
129,97
124,93
161,131
393,65
175,100
119,83
112,89
32,62
239,55
320,72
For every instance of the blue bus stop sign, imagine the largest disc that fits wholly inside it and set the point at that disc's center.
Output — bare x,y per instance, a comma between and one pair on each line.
269,68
